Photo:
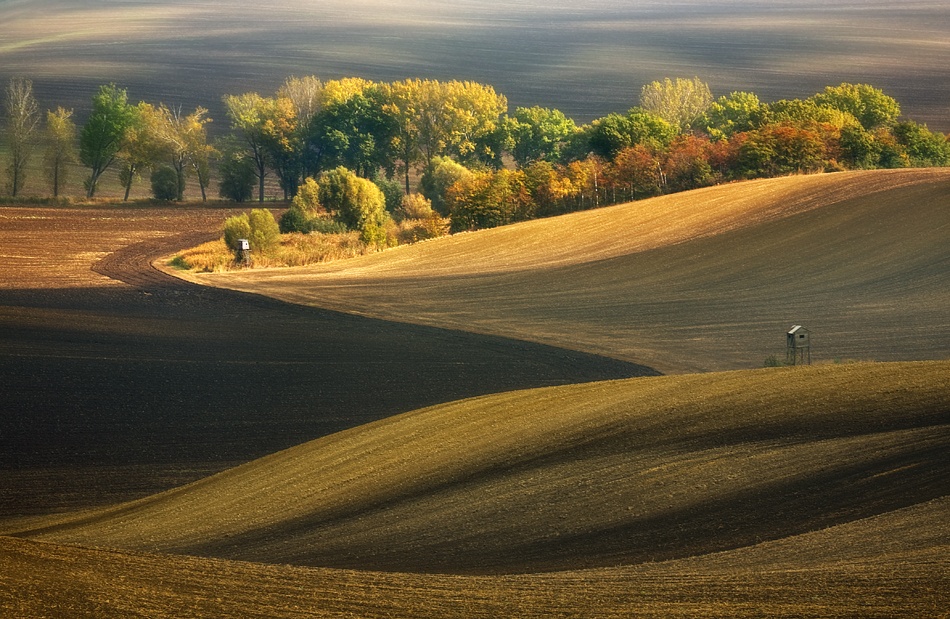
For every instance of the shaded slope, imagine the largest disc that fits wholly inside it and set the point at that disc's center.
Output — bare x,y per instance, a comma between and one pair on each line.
890,565
703,280
589,475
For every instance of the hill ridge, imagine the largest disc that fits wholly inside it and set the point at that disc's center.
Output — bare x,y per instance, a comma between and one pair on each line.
542,480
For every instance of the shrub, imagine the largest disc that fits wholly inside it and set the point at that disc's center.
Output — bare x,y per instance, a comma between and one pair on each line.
165,183
392,192
441,174
414,206
294,220
418,221
325,225
237,227
355,202
264,231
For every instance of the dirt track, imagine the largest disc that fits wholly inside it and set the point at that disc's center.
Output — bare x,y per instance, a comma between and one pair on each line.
119,381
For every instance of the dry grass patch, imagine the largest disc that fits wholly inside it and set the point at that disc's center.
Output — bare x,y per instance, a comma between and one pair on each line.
294,250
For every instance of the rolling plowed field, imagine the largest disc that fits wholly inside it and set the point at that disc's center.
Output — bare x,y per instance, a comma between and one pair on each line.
783,492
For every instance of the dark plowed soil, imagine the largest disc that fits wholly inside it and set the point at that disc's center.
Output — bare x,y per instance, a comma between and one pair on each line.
113,391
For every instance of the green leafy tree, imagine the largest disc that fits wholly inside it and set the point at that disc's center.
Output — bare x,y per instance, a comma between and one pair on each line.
613,133
539,134
358,132
738,112
859,148
305,209
236,171
22,119
924,147
249,114
308,97
60,148
869,105
680,102
104,133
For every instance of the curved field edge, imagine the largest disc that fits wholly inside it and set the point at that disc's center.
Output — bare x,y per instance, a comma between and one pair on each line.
699,281
600,474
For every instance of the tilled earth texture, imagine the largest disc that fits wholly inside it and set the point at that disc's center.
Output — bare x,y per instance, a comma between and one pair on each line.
117,381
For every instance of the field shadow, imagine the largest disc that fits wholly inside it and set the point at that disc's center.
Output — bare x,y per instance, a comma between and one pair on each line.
117,392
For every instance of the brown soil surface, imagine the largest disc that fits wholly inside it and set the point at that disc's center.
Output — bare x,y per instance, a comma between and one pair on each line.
120,381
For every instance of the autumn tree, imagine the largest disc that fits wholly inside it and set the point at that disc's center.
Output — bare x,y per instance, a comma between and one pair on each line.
442,173
489,199
282,143
548,187
103,135
22,119
186,141
143,144
635,173
60,148
433,118
680,102
685,164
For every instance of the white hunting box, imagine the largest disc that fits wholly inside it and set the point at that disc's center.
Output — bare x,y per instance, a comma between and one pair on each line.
798,346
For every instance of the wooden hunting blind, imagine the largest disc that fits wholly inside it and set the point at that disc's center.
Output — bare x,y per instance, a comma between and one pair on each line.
798,346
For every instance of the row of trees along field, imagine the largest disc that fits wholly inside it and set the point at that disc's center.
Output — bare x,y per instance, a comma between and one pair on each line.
479,164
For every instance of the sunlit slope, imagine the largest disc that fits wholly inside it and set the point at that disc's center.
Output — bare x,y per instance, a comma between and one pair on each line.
889,565
582,476
704,280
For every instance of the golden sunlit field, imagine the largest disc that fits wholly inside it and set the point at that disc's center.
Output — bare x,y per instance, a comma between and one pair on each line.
816,491
707,280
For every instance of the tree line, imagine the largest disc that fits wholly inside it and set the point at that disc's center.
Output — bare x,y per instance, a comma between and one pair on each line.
478,164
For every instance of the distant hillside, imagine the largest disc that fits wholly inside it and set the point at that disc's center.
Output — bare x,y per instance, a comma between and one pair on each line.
704,280
595,475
